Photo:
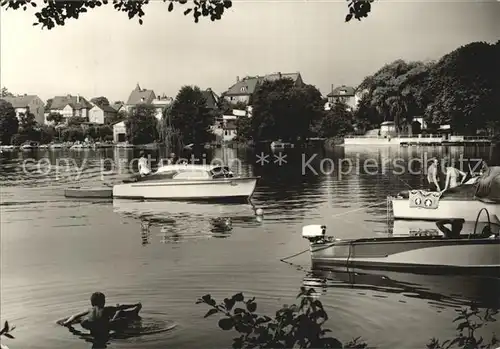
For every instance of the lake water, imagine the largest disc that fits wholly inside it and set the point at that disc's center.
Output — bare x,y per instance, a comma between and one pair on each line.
55,251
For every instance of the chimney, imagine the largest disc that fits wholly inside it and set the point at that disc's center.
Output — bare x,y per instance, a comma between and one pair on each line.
237,79
279,75
78,98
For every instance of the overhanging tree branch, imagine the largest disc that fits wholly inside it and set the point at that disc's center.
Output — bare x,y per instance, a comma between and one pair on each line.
54,13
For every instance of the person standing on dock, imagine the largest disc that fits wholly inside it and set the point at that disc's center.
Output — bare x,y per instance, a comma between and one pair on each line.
144,169
432,176
452,175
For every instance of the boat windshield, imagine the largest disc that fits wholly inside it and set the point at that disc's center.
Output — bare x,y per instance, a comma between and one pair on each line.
221,172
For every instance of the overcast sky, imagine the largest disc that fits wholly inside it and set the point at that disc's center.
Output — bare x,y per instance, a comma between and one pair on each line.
105,53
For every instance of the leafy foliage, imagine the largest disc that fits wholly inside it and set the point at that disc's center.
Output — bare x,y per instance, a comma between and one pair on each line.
28,129
76,121
337,121
169,135
114,118
6,330
191,117
466,88
295,326
141,125
461,89
47,134
48,104
244,128
72,134
6,93
470,321
55,13
282,110
358,9
395,93
366,115
56,118
100,101
302,326
8,122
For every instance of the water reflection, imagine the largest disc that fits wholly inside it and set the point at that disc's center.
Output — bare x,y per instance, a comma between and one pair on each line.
449,290
174,222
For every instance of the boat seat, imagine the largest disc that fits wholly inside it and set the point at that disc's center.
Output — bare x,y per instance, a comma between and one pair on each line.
456,227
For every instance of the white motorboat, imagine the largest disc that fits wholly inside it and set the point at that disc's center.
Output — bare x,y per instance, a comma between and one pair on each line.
459,202
421,254
187,183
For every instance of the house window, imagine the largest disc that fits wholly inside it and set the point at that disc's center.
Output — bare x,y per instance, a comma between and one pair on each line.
225,133
243,89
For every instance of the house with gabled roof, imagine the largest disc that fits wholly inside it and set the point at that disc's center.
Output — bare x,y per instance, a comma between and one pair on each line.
99,113
28,104
71,106
243,89
139,96
211,98
345,94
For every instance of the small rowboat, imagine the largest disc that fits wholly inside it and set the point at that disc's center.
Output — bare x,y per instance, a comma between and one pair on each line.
89,192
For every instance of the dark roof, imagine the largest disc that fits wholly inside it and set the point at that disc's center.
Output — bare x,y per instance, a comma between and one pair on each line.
106,108
59,102
342,91
116,106
247,85
138,94
20,101
211,98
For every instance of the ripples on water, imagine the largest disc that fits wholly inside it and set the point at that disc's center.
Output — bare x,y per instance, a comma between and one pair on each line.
55,251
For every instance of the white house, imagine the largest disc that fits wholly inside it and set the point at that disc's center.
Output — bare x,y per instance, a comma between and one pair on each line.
28,104
69,106
387,128
345,94
119,132
225,129
160,104
98,113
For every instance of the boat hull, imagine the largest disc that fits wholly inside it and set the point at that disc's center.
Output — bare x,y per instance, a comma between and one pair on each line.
424,255
447,209
89,192
224,189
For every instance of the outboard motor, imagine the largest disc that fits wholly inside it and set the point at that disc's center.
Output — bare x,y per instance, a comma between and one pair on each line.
314,233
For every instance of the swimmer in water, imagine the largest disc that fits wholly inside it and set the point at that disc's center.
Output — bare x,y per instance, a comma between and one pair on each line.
101,319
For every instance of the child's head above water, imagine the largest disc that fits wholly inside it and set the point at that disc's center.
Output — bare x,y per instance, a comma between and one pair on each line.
98,299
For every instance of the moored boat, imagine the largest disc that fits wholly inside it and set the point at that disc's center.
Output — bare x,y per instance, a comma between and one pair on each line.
460,203
188,182
421,254
89,192
279,145
29,146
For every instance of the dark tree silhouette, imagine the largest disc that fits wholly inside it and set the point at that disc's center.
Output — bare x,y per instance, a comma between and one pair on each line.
55,13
